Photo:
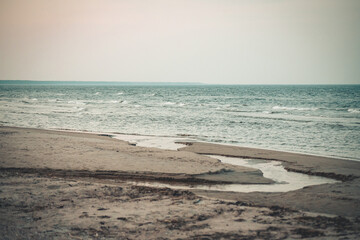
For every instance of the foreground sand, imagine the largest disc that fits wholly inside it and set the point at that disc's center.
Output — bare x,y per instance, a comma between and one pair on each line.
70,185
81,154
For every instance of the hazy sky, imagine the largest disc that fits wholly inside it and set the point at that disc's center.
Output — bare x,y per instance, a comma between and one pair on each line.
210,41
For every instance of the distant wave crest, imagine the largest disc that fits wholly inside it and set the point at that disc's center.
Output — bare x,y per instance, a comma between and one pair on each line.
294,108
353,110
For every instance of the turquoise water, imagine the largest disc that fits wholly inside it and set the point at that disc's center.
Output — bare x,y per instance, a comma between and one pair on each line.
320,120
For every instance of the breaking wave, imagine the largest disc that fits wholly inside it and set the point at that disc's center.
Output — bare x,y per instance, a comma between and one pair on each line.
294,108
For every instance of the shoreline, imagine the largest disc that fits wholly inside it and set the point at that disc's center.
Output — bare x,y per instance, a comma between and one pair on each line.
58,184
222,152
113,134
312,165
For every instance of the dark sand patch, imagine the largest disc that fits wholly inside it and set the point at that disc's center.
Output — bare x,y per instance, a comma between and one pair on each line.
80,209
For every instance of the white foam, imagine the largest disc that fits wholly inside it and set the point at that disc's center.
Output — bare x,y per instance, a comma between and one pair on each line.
353,110
76,102
167,143
294,108
169,103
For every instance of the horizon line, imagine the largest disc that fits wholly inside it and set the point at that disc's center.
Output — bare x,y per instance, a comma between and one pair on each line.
58,82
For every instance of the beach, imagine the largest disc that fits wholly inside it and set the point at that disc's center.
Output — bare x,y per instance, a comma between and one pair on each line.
58,184
179,120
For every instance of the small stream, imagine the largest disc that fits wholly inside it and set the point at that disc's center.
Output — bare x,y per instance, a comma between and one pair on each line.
284,181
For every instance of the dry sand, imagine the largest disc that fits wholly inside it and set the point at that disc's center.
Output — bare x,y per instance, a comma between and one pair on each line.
81,154
60,185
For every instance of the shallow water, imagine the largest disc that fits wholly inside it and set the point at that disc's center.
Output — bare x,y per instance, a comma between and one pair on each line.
168,143
284,181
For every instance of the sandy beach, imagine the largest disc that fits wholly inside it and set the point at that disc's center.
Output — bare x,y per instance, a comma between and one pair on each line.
64,185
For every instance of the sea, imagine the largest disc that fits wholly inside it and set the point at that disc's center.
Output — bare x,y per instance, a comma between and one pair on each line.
313,119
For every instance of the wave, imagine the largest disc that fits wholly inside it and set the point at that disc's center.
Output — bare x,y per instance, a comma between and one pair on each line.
173,104
294,108
250,111
296,118
233,110
77,102
53,100
28,100
353,110
67,111
169,103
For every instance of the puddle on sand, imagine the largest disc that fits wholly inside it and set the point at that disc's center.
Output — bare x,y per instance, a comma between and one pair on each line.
167,143
285,181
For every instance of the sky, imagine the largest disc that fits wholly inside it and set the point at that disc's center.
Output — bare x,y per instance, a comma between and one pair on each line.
208,41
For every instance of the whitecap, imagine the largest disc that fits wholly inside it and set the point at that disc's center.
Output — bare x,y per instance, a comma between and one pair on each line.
120,93
78,109
169,103
76,102
353,110
294,108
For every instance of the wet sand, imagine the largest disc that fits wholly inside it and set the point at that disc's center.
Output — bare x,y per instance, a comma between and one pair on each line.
61,185
339,169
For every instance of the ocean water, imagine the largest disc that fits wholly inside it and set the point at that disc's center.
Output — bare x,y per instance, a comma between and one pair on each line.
319,120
